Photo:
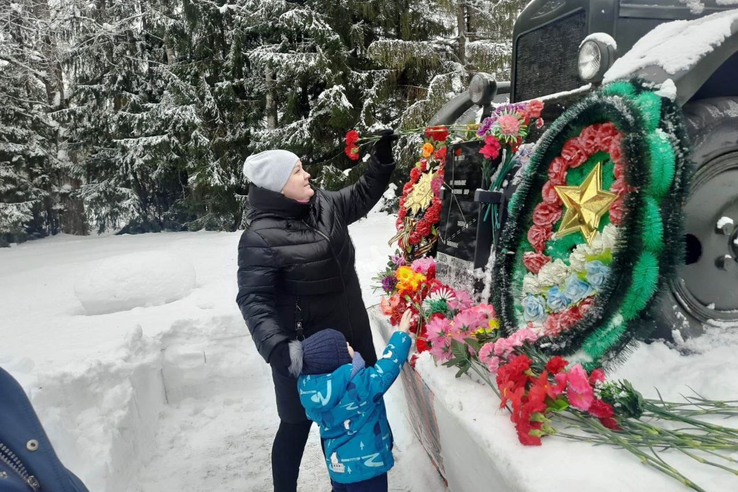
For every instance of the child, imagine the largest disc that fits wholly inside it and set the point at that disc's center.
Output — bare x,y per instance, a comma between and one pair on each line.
345,399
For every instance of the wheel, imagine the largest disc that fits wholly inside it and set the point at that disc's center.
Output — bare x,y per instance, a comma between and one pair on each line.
704,292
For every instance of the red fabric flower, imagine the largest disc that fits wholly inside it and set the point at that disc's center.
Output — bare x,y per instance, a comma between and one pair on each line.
421,344
512,376
556,364
534,261
352,137
589,139
616,149
550,195
408,186
415,238
437,133
620,186
557,171
534,108
585,305
617,209
423,228
596,375
491,149
538,235
415,174
552,326
441,154
539,123
352,152
546,214
605,135
611,423
569,317
573,153
601,409
423,165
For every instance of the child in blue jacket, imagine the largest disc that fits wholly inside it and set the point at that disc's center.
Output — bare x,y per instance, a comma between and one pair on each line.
345,399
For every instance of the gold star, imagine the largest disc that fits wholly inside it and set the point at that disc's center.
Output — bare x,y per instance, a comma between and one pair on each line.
585,205
421,195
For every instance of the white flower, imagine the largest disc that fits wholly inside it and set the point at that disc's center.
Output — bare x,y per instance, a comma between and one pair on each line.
553,273
578,258
609,236
531,284
443,293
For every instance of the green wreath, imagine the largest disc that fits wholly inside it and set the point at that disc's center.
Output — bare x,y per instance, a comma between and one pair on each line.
595,227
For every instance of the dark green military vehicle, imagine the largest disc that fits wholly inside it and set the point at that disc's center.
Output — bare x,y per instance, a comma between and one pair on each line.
563,49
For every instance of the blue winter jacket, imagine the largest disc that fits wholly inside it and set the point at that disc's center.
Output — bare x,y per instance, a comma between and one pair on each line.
351,414
28,463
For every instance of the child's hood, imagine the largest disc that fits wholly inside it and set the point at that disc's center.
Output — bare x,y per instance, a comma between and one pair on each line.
321,392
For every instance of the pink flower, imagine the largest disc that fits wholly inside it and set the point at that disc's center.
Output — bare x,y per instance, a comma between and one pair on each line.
588,139
573,153
503,347
463,300
604,138
580,393
522,336
556,391
546,214
617,209
438,330
534,108
616,149
549,193
585,305
596,375
620,186
538,235
493,364
539,123
568,317
486,352
486,310
509,125
534,261
552,326
468,321
557,171
436,185
424,265
441,352
491,147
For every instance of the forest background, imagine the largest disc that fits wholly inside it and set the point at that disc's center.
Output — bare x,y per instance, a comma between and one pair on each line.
134,116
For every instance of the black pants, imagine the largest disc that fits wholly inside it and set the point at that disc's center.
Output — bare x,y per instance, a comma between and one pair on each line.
376,484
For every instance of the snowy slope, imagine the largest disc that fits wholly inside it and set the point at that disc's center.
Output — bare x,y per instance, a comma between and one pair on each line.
170,396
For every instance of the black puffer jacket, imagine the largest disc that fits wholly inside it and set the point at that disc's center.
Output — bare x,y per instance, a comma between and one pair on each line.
297,260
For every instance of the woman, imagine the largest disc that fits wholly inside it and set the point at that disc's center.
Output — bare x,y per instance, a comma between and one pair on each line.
296,276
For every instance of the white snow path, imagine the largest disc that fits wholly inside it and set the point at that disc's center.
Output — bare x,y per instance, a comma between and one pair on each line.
169,397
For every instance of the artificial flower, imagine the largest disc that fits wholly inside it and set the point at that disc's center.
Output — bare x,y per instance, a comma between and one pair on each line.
534,308
579,391
553,273
538,235
576,289
597,273
556,364
437,133
557,171
491,149
534,108
427,150
546,214
549,193
352,137
573,154
556,301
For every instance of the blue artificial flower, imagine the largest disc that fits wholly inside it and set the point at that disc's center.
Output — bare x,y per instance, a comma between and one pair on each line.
534,308
577,289
597,273
557,301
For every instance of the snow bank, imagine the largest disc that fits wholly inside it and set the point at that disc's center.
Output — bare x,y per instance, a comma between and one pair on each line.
676,46
133,280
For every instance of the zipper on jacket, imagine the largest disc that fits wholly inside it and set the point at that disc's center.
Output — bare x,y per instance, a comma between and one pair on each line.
298,320
340,272
15,464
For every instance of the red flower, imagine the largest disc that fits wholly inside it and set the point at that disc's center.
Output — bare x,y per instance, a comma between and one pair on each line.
617,209
601,409
534,108
441,154
569,317
596,375
457,151
538,235
415,174
573,153
352,137
513,373
352,152
605,135
616,149
421,344
611,423
491,149
620,186
557,171
437,133
556,364
546,214
550,195
423,165
414,238
585,305
539,123
423,228
589,140
534,261
408,186
552,326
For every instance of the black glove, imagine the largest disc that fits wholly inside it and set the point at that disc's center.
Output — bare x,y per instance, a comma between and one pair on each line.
382,149
280,360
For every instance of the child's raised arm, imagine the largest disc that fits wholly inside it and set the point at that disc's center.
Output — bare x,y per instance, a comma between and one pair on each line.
385,371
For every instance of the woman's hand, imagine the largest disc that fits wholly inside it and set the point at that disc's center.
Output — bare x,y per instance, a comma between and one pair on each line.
405,321
382,149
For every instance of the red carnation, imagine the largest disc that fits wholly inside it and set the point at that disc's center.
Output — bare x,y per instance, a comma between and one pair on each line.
546,214
352,152
569,317
557,171
573,153
605,135
534,108
620,186
589,139
415,174
441,154
423,165
408,186
616,149
550,195
585,305
352,137
556,364
491,149
552,326
601,409
414,238
538,235
423,228
534,261
617,209
596,375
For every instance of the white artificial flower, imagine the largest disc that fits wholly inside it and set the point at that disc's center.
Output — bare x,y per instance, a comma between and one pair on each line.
609,236
578,258
553,273
531,285
442,293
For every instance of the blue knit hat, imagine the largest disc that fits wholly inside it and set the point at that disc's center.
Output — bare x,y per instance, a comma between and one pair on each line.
324,352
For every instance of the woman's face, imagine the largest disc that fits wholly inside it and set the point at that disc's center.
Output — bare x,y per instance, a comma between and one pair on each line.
298,186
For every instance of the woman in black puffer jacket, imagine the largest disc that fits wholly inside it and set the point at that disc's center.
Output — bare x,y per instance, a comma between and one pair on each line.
297,275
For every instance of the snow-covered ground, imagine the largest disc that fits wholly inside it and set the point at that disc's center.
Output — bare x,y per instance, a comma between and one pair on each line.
162,390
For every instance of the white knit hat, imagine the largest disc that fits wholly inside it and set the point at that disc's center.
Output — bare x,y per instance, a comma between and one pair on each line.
270,169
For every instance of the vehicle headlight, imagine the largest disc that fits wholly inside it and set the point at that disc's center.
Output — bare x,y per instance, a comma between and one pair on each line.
482,89
595,57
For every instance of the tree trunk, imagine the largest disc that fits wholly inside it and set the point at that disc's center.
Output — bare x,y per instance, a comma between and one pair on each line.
271,102
461,26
